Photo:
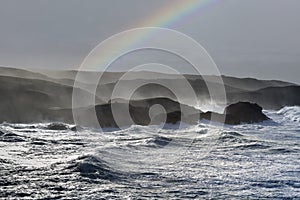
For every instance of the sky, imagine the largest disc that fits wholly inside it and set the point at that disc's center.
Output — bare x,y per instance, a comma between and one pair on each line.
246,38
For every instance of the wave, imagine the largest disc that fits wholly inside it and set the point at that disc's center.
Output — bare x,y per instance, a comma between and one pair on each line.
231,137
95,168
92,167
237,141
282,150
6,136
291,113
158,141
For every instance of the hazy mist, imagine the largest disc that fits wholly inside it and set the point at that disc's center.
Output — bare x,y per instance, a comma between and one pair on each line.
245,38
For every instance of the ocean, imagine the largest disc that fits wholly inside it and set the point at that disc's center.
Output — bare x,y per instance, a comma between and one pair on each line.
204,161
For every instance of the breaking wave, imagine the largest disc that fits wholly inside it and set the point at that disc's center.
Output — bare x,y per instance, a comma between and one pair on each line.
51,160
290,113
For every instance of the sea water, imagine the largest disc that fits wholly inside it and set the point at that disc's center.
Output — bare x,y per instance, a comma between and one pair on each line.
203,161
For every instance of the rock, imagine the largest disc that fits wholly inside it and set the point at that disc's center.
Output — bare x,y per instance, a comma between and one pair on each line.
75,128
28,97
244,112
238,113
241,112
1,133
57,126
139,112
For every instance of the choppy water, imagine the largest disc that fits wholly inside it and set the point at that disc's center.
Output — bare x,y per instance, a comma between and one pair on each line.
203,161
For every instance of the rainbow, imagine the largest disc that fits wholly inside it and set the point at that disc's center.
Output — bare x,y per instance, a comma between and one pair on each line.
175,12
168,17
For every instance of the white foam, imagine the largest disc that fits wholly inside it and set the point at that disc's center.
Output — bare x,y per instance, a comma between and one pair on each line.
291,113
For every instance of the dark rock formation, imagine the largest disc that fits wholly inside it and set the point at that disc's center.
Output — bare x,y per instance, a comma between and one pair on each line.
1,133
244,112
61,126
238,113
75,128
57,126
28,97
139,113
241,112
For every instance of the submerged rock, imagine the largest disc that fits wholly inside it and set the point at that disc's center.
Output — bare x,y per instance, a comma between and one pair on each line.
57,126
62,126
75,128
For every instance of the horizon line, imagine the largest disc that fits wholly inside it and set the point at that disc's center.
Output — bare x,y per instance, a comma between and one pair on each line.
39,70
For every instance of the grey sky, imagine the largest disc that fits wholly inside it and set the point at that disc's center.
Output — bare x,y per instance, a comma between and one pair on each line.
256,38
